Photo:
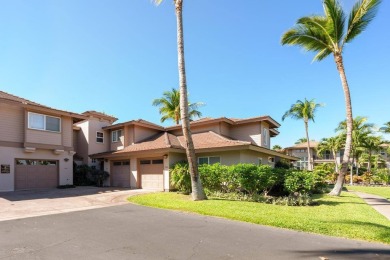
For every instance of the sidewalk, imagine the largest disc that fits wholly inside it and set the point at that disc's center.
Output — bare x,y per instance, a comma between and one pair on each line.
379,203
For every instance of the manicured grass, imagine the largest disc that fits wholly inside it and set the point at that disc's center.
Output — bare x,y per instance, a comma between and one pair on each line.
345,216
380,191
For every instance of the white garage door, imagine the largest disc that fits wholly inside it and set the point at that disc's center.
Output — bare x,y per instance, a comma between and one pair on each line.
152,177
120,174
36,174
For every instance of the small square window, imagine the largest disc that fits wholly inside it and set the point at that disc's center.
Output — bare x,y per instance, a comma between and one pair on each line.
116,135
99,137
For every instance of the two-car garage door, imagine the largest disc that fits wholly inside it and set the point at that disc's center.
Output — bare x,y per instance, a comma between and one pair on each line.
36,174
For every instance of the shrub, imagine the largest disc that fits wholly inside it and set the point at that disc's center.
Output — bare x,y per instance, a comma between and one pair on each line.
283,164
99,176
81,175
355,179
294,200
381,176
211,176
305,182
180,177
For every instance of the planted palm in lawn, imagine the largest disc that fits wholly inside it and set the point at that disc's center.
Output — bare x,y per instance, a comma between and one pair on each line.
345,216
328,35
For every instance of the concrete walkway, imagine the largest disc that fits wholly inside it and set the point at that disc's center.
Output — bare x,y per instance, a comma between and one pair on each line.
33,203
379,203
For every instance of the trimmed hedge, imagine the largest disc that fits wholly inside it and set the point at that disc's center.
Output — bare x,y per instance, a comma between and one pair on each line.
249,179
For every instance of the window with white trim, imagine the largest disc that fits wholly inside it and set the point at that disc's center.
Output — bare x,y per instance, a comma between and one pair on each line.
116,135
44,122
209,160
265,136
99,137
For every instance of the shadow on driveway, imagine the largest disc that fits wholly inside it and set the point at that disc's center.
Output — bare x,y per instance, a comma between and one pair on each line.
57,193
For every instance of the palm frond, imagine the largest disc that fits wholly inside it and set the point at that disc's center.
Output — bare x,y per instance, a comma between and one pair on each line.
335,20
361,15
309,34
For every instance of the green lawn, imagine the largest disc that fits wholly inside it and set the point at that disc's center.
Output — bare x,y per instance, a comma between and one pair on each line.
345,216
380,191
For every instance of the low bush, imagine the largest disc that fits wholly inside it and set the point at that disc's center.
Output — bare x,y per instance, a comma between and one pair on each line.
180,177
292,200
99,176
305,182
249,179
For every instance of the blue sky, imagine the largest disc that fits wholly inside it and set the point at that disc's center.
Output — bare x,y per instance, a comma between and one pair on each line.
117,56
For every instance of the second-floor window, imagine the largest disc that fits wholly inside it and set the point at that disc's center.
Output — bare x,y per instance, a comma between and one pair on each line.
116,135
44,122
265,136
99,137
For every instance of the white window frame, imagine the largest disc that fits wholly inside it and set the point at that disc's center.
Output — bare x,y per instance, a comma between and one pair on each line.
265,136
208,159
44,122
96,139
117,135
260,161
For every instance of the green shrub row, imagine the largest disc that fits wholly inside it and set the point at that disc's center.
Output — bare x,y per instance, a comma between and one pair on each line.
249,179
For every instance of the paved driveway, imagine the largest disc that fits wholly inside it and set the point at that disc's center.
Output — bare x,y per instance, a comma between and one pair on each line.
23,204
135,232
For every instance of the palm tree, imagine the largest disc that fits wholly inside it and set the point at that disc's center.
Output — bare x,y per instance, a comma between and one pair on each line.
197,189
301,140
277,147
360,131
304,110
372,144
386,128
170,106
332,144
328,35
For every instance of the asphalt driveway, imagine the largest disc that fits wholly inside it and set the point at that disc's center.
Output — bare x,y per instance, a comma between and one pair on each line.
135,232
23,204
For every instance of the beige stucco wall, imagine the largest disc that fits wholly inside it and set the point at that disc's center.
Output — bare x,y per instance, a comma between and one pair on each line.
87,138
13,129
247,132
142,133
117,145
8,156
253,157
67,131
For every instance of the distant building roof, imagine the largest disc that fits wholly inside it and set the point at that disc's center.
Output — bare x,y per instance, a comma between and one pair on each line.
100,114
313,144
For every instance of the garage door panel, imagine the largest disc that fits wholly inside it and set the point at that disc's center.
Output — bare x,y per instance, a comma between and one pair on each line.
36,177
152,175
120,175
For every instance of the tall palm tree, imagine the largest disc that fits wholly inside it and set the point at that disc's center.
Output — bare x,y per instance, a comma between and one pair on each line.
304,110
170,106
328,35
197,188
332,144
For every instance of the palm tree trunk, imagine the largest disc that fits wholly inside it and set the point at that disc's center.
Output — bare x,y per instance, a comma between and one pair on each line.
336,165
348,106
369,162
351,170
309,164
197,189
